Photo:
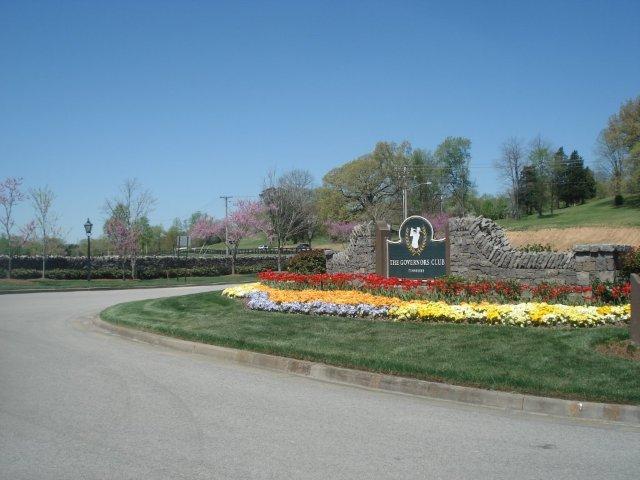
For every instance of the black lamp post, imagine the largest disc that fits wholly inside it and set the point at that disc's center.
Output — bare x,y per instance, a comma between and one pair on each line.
87,228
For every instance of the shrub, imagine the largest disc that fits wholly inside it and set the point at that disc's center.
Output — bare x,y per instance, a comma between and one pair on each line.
630,263
65,274
536,248
618,200
311,261
25,273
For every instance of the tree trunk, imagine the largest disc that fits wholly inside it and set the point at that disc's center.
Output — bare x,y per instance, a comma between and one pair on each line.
9,269
133,267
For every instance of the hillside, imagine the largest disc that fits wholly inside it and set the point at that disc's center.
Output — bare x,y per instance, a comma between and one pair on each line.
595,213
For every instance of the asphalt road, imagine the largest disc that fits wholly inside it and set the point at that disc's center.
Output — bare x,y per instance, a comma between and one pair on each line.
76,402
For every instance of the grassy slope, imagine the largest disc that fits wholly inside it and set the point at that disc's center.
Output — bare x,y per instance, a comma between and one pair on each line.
552,362
13,285
593,213
254,242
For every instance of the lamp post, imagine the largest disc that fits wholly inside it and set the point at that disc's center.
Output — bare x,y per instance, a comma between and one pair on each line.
87,228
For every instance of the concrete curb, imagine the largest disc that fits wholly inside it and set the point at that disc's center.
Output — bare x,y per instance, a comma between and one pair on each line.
628,414
93,289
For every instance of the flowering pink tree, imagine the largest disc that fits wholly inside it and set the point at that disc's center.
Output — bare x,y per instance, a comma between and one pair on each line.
439,223
125,239
205,228
246,220
339,231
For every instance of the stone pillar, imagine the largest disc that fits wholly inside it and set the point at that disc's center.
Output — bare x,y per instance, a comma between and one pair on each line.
634,325
383,233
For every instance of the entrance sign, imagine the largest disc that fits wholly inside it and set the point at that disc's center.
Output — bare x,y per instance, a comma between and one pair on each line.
416,254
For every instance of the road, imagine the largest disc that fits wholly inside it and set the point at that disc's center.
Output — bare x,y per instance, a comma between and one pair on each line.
76,402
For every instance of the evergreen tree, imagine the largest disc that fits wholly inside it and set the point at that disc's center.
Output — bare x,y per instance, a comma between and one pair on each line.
558,180
531,190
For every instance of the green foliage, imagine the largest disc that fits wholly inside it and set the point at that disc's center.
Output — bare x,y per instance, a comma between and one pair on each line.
535,248
630,263
25,273
454,155
618,200
530,191
493,207
311,261
369,185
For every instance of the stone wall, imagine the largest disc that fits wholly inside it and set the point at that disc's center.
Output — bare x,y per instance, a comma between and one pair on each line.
359,255
479,248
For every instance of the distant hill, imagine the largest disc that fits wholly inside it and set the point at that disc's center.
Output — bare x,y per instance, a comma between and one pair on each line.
595,213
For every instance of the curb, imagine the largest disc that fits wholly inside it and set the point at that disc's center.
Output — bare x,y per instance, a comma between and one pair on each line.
95,289
628,414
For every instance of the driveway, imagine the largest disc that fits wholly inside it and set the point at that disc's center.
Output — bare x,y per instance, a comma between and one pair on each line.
76,402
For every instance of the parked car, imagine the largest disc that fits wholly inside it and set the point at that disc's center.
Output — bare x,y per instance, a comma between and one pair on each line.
303,247
263,247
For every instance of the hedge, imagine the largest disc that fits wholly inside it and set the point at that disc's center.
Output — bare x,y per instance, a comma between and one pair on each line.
147,267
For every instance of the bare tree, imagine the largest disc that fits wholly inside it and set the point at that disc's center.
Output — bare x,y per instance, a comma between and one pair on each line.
10,196
128,209
46,220
289,202
612,159
509,166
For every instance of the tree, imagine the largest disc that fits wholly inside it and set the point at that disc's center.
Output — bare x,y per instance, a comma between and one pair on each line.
454,155
288,201
530,190
558,177
46,220
125,240
371,184
541,158
126,212
206,229
618,147
247,219
577,183
612,159
10,196
509,166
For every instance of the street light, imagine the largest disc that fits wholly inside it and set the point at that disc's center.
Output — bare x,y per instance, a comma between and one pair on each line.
87,228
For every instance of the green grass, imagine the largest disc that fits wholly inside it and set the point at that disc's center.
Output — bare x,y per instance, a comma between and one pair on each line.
550,362
254,242
47,284
593,213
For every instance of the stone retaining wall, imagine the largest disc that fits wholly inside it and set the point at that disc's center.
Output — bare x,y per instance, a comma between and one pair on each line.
359,256
479,248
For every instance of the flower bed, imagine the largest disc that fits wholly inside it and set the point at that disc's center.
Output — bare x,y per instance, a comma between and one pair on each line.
452,290
355,303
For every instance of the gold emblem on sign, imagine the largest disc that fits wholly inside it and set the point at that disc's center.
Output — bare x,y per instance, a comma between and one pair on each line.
415,238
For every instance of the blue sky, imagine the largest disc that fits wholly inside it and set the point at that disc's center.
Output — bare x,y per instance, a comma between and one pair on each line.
200,99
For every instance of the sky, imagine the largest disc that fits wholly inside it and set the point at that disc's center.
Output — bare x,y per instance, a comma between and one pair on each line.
202,99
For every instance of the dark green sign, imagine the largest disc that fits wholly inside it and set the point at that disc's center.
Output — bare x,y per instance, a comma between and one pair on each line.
416,254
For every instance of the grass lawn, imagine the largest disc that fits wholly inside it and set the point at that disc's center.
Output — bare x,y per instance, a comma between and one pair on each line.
550,362
254,242
12,285
593,213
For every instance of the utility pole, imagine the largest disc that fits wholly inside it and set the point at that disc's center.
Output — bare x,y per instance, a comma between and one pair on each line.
226,227
404,193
